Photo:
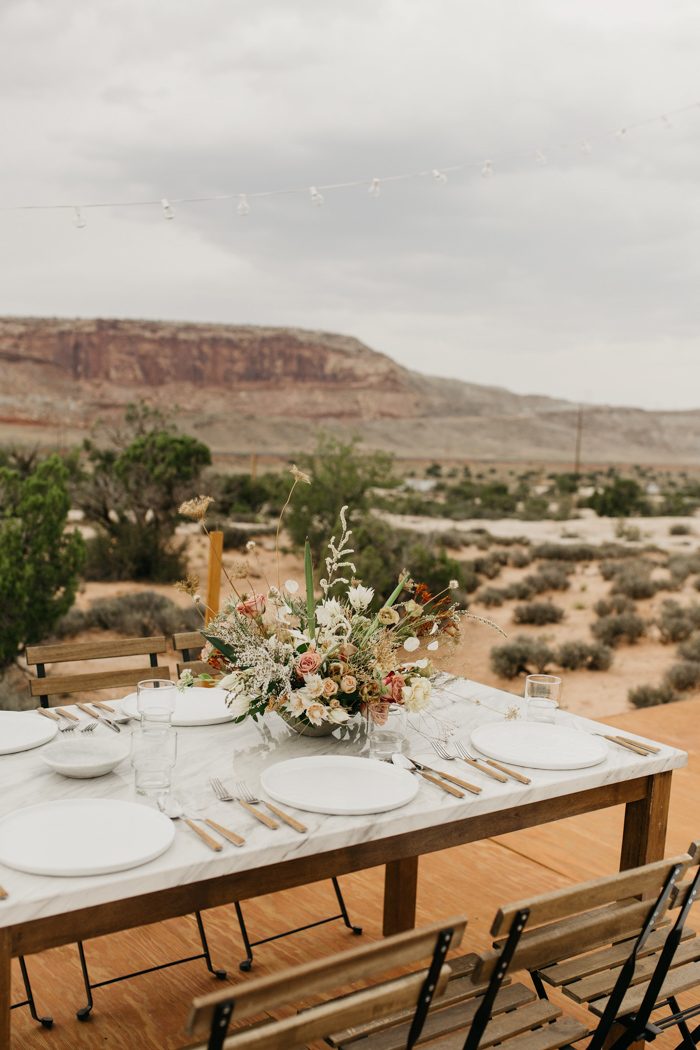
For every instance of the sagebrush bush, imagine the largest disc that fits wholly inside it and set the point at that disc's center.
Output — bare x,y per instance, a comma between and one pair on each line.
619,627
538,613
677,622
681,566
690,649
565,551
489,596
578,655
520,558
489,566
520,655
634,582
682,676
651,695
679,529
549,576
138,614
617,603
521,591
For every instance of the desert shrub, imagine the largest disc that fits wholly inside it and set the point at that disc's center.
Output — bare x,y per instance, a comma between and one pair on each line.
489,566
683,676
489,596
690,648
619,627
609,569
520,558
550,576
577,655
616,603
520,591
565,552
235,539
453,538
651,695
679,529
538,613
677,622
622,498
520,655
634,581
244,496
138,614
681,566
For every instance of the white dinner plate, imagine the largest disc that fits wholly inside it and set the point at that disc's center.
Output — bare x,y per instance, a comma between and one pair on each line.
339,784
22,730
539,745
194,706
92,836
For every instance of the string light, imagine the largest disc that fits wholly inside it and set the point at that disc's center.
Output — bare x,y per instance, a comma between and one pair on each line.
486,168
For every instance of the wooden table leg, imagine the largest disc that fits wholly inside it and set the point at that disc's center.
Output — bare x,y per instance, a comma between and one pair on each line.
400,888
644,835
5,990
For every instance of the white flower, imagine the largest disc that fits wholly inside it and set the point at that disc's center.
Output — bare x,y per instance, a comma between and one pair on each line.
250,545
360,597
295,703
454,585
185,680
330,613
316,713
239,705
291,586
411,644
339,715
416,695
313,687
229,681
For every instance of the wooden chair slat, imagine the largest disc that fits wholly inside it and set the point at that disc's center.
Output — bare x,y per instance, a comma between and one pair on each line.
570,937
679,980
78,683
445,1017
320,975
56,654
574,969
315,1023
548,907
561,1033
188,640
600,984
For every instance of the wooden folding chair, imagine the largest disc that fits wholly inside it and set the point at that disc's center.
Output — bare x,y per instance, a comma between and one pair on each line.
212,1015
534,936
51,685
189,646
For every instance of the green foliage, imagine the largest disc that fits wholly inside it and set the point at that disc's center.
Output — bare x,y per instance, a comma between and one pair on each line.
538,613
342,475
242,495
578,655
651,695
139,614
39,560
622,498
131,490
619,627
566,484
520,655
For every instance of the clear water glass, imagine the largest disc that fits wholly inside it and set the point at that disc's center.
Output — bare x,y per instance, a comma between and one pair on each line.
153,757
155,700
386,729
542,692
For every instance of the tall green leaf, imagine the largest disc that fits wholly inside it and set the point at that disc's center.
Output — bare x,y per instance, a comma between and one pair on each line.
310,603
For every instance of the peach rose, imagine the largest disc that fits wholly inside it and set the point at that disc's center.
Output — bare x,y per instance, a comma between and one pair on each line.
348,683
253,606
329,687
346,650
396,684
308,663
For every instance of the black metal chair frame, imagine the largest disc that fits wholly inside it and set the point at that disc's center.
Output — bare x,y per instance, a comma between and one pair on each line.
46,1021
189,656
84,1012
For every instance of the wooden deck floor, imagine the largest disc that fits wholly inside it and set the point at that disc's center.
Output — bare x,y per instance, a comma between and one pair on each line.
148,1013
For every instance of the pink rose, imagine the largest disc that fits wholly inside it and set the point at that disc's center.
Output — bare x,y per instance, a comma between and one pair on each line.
253,606
308,663
396,683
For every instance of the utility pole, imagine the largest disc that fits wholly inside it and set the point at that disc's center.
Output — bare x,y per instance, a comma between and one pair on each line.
579,431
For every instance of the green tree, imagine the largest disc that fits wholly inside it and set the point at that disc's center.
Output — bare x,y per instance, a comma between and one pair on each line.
342,475
39,559
622,498
131,489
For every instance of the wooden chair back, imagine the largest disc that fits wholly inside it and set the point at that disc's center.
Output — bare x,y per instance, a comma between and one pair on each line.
44,685
189,645
212,1014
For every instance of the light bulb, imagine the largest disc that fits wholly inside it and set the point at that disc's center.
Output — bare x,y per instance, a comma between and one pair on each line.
168,212
243,208
487,170
439,176
540,158
375,188
316,197
78,220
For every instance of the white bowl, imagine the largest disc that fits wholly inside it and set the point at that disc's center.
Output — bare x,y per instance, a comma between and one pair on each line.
85,758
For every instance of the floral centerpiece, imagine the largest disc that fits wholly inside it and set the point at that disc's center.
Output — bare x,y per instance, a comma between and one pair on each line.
319,660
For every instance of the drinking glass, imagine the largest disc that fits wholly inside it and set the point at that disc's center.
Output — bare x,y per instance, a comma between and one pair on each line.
386,728
542,693
155,700
153,757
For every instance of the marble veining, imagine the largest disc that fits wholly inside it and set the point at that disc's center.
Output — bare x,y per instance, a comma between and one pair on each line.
234,752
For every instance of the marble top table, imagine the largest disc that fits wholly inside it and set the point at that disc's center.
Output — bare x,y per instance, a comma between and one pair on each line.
41,912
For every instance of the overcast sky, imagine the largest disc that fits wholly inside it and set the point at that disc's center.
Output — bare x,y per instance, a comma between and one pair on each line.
577,278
